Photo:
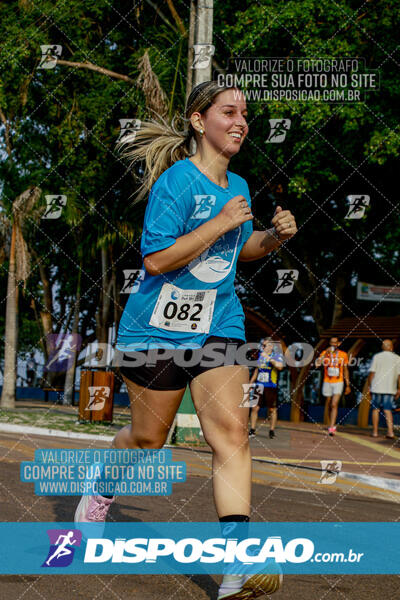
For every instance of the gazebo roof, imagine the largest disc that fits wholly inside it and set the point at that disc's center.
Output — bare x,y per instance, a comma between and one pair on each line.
364,327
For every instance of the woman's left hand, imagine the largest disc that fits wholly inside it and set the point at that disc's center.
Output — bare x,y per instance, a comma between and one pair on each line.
284,224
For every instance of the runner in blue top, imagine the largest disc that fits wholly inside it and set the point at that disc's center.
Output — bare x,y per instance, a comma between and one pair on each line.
182,199
198,224
269,362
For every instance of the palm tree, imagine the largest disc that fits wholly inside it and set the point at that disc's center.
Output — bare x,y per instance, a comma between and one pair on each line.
19,263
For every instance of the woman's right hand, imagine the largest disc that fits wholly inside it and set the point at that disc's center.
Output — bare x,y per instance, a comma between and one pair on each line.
235,212
189,246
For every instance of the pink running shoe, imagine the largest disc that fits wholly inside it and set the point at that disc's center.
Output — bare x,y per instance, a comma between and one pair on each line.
332,431
93,509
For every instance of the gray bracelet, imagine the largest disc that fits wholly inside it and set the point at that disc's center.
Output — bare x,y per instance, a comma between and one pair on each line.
275,235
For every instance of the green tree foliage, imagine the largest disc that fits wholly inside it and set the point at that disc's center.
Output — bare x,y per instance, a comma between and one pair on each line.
59,127
332,150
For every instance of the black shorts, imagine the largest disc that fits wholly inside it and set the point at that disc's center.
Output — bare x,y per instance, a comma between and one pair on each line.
169,373
269,397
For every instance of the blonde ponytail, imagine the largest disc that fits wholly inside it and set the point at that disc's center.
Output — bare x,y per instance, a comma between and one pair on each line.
160,144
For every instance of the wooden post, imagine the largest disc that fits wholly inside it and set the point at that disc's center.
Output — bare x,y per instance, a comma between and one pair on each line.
100,379
356,347
363,408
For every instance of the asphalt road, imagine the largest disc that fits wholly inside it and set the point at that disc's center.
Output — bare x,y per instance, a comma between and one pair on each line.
190,501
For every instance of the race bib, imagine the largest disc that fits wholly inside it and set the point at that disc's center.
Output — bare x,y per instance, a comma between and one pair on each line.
184,310
333,371
263,377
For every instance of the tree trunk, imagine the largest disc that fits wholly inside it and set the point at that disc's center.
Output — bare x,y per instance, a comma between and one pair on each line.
192,26
46,315
104,301
69,386
117,317
11,332
116,304
40,327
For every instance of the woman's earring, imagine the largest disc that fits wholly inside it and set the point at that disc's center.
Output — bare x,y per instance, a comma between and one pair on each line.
201,131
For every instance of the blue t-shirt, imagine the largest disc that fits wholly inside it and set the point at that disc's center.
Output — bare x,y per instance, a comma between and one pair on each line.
198,300
267,373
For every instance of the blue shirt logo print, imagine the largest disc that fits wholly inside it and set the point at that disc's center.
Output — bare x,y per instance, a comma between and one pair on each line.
215,263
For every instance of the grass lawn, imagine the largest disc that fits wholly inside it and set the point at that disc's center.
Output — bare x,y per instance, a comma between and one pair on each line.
63,419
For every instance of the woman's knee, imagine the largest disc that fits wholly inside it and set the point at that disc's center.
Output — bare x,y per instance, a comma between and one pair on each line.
150,444
230,437
153,440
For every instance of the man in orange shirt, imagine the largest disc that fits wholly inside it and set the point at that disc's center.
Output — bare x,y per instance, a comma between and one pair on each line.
335,363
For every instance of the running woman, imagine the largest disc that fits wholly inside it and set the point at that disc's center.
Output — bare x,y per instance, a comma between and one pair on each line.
266,375
197,225
336,371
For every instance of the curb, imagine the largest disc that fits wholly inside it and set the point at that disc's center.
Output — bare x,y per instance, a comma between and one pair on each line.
383,483
378,482
27,429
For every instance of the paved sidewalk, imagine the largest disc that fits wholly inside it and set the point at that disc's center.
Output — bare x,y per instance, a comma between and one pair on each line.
291,460
278,494
301,443
370,466
307,444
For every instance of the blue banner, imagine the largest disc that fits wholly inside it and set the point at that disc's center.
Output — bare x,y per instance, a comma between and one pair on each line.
108,472
200,548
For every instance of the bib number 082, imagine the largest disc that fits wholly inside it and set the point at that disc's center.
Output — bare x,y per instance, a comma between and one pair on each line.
186,311
172,310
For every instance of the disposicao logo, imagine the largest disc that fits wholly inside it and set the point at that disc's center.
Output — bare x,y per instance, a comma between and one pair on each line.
62,547
191,550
